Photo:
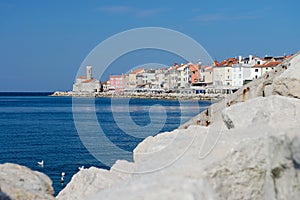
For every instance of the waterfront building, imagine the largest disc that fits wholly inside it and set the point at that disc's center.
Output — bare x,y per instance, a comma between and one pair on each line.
117,83
87,84
196,73
106,86
248,69
171,78
244,71
183,76
159,78
149,76
238,71
134,78
208,75
264,68
222,72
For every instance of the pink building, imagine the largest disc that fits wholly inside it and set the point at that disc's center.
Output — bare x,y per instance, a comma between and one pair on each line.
117,83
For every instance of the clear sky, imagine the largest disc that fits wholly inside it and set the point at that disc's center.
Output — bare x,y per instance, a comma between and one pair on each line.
43,42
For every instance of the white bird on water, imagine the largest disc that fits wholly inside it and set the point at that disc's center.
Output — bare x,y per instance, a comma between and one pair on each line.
62,179
41,163
81,168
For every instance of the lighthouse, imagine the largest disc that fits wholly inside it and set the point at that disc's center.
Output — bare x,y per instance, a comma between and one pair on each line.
88,72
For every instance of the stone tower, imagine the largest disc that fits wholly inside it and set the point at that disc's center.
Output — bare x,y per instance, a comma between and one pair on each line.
88,72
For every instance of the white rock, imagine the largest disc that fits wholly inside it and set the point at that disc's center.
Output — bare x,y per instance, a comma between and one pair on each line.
153,188
258,168
287,84
275,111
19,183
87,182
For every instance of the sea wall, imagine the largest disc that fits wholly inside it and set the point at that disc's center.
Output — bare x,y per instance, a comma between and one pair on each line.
145,95
247,146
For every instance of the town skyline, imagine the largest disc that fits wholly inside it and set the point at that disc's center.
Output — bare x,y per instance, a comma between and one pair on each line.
44,43
221,77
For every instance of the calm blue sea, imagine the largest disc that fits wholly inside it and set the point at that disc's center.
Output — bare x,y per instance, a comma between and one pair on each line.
35,127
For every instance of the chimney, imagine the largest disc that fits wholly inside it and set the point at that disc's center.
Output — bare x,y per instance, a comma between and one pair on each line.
240,59
216,63
250,58
88,72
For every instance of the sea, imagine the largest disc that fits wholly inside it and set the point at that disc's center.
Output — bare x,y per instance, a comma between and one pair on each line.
35,127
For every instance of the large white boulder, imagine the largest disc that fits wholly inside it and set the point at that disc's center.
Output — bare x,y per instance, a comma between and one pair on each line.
156,187
87,182
288,83
274,111
19,183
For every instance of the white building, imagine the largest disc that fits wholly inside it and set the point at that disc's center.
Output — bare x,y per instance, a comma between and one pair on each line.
171,78
250,72
255,72
87,84
159,78
183,76
241,74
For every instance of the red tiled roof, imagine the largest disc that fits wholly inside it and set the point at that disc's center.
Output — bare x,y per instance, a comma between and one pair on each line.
177,67
227,62
268,64
88,81
137,71
194,67
209,68
82,77
216,63
116,76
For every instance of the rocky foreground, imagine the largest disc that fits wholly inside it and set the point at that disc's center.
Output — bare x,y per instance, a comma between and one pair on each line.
247,146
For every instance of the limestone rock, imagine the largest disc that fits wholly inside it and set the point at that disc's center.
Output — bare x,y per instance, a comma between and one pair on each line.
153,188
19,183
288,83
257,168
87,182
275,111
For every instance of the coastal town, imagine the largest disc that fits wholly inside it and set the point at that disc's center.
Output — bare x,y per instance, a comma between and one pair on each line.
188,79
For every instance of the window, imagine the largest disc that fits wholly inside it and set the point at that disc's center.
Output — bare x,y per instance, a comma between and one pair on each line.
266,68
228,77
256,70
240,75
228,70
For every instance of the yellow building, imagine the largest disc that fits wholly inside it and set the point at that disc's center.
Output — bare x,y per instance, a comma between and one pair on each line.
222,75
132,78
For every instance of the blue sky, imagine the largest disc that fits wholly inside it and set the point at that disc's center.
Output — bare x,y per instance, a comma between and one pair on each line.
43,42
